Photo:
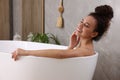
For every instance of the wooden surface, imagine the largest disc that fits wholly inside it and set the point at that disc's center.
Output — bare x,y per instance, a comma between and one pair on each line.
31,17
4,20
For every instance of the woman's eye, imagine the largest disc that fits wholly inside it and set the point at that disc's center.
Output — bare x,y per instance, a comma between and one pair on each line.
81,21
86,25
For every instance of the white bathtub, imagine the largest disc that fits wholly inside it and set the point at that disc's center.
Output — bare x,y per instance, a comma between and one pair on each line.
41,68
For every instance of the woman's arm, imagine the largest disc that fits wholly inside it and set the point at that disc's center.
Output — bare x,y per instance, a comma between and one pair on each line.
52,53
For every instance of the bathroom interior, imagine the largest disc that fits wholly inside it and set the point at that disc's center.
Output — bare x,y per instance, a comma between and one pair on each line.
23,17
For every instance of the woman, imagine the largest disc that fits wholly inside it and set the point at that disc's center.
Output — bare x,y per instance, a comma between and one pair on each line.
90,28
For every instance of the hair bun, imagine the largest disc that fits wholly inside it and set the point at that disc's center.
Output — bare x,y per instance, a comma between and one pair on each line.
104,11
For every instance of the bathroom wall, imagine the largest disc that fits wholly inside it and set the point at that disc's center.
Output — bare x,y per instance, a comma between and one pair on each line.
74,11
108,67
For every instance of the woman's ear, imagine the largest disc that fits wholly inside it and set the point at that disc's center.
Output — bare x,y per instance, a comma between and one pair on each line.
94,34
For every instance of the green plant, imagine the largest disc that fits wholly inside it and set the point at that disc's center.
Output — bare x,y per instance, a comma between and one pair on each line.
43,38
54,38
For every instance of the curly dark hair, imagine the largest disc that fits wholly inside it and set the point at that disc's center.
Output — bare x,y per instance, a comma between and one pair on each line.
103,15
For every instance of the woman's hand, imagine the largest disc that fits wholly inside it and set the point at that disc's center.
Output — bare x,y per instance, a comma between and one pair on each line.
17,53
74,40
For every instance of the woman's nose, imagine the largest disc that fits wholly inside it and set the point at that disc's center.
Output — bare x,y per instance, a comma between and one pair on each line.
80,26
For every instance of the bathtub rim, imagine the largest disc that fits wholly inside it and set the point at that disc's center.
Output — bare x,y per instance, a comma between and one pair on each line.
94,55
82,57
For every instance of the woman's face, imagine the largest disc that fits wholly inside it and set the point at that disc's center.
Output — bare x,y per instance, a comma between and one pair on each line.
86,27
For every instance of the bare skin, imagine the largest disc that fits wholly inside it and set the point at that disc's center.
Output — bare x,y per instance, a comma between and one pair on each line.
81,43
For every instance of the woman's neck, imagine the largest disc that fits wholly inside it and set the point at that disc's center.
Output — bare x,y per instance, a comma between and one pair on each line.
88,44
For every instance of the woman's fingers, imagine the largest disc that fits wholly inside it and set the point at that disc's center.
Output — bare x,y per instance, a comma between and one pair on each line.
12,54
15,55
78,39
